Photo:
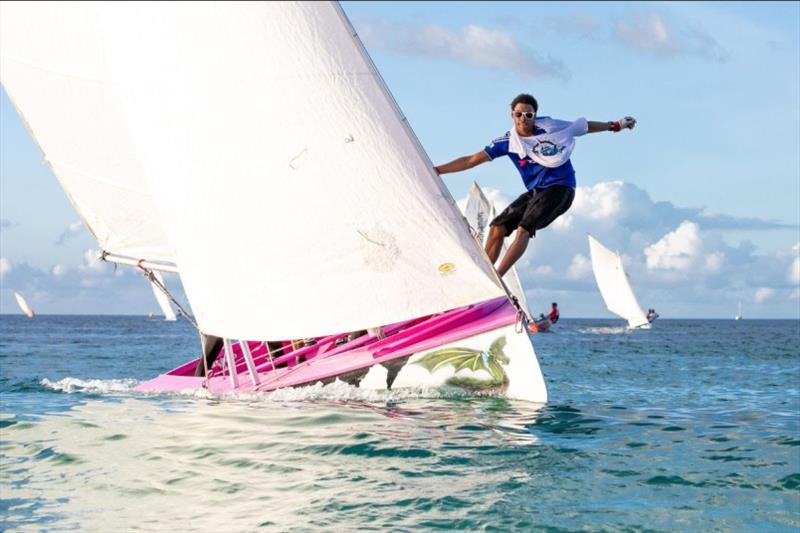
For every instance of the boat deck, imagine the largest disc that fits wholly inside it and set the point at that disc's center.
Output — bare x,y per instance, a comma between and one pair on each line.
325,358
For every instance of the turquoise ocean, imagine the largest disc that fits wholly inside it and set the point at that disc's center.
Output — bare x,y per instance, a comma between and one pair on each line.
693,425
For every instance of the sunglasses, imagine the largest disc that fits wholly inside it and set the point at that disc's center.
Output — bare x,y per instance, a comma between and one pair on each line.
527,114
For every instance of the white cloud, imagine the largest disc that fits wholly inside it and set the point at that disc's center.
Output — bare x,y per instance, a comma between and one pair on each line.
660,35
580,267
90,286
677,250
92,262
763,294
677,259
5,267
563,223
72,230
794,272
543,270
647,31
714,261
580,24
674,256
601,201
472,45
793,275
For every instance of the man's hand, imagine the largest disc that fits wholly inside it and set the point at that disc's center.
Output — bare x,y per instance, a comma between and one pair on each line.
623,123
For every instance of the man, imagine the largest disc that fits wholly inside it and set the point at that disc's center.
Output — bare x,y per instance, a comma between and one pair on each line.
554,316
540,150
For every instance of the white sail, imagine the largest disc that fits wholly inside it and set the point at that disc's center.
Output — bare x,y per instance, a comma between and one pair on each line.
161,298
296,198
479,212
23,305
54,68
614,285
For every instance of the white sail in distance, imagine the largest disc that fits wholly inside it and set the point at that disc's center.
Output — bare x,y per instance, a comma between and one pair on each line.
479,212
614,285
23,305
53,67
161,298
295,196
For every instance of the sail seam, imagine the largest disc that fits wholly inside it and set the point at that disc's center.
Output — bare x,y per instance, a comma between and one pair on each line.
95,177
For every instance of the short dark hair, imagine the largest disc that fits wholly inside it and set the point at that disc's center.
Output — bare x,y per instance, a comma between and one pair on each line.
525,99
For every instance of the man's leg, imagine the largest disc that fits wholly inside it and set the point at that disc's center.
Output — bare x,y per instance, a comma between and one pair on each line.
494,242
515,251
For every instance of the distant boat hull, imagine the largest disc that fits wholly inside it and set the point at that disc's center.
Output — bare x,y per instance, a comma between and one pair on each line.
478,348
540,326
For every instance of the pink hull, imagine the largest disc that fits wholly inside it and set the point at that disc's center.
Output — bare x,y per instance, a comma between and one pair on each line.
325,360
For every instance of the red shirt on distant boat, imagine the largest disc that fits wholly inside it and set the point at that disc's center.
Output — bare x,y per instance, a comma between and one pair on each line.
554,316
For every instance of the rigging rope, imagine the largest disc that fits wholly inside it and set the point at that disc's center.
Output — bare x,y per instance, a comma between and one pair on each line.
152,277
149,274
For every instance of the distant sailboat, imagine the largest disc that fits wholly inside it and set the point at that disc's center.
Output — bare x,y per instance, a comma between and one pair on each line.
614,285
739,314
23,305
161,298
479,212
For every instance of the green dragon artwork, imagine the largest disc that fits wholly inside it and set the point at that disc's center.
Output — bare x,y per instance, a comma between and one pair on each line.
461,358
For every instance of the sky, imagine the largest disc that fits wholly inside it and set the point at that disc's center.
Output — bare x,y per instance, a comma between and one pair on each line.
701,199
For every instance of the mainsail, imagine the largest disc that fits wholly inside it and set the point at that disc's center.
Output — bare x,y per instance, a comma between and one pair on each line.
54,68
161,297
23,305
614,285
479,212
255,146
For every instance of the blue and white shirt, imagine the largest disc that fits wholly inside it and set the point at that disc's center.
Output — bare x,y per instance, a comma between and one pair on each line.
543,158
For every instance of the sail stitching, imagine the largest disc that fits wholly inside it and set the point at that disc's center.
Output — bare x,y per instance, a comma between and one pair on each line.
94,177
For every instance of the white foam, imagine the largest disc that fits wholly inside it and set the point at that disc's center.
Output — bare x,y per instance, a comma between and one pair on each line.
335,391
102,386
606,330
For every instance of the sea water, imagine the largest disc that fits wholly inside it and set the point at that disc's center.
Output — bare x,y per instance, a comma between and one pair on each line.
693,425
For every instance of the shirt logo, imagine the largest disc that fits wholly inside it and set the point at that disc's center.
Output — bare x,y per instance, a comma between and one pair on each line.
547,149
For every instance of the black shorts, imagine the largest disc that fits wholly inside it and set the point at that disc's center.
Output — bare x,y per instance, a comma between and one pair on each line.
536,209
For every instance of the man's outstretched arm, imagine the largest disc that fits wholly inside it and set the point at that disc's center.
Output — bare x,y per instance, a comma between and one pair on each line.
612,125
463,163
